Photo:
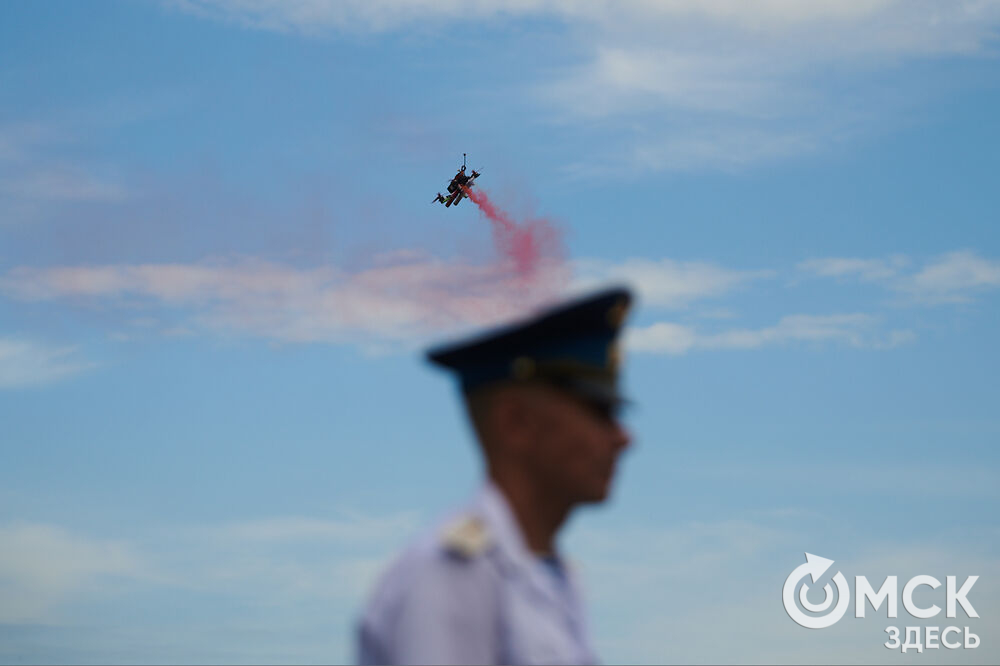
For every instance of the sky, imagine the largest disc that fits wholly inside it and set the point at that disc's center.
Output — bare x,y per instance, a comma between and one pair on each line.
220,265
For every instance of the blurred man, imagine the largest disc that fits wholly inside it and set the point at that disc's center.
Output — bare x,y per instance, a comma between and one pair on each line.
489,586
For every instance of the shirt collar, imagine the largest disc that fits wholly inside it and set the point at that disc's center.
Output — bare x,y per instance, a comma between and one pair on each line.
514,553
503,524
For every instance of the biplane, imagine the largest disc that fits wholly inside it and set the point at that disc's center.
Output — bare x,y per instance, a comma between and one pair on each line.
459,186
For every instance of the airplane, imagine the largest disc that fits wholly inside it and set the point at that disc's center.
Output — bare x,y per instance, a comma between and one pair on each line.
458,188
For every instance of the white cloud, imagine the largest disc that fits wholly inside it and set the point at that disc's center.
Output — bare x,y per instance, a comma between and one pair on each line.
667,283
691,85
688,585
726,148
288,559
865,269
623,79
952,278
688,84
24,363
273,562
42,566
405,298
658,591
843,327
352,527
401,298
662,337
856,330
32,172
919,25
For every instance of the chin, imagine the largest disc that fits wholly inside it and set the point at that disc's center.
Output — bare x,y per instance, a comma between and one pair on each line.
597,494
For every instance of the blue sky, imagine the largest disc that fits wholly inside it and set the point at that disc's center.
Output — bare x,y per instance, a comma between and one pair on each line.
219,264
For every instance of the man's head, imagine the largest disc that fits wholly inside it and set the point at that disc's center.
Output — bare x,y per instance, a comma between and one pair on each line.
542,395
549,437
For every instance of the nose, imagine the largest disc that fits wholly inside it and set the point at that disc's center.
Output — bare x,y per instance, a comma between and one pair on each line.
621,437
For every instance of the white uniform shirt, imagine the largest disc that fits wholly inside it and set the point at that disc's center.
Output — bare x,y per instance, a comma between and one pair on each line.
472,593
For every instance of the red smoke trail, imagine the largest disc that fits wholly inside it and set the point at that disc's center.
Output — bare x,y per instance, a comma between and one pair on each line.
526,246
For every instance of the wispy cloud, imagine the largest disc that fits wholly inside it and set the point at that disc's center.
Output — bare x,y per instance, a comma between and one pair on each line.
856,329
287,558
955,277
34,171
921,25
402,297
24,363
352,527
659,589
754,59
865,269
666,282
684,583
686,84
268,561
706,85
42,566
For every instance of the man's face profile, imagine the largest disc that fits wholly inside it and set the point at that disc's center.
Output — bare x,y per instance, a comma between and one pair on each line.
563,443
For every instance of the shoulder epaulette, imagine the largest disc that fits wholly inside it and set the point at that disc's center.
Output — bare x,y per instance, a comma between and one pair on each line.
466,537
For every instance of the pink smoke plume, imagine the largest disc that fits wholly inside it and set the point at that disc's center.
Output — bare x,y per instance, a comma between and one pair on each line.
532,248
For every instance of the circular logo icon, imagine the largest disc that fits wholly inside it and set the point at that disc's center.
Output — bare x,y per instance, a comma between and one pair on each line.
815,567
